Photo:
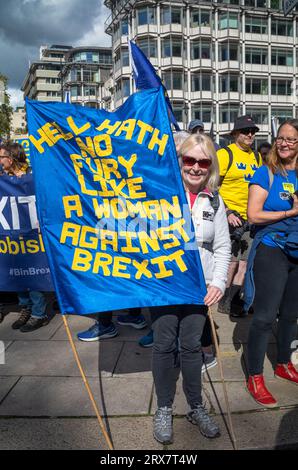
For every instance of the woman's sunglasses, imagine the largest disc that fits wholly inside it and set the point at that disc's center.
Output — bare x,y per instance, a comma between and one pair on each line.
204,163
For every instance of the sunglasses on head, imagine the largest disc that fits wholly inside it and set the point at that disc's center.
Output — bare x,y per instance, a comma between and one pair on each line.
248,131
204,163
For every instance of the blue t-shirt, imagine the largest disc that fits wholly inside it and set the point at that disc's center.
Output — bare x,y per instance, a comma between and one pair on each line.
279,198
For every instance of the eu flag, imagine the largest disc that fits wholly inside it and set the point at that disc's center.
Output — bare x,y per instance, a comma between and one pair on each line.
145,77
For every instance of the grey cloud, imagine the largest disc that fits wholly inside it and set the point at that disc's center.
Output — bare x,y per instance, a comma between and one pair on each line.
25,25
36,21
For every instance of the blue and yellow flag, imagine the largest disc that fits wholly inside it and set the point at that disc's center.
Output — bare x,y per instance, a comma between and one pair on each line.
112,207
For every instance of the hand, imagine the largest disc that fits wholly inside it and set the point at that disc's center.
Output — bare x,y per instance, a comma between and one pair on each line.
234,220
214,294
295,205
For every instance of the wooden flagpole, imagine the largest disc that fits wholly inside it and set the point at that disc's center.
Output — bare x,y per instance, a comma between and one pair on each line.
218,354
95,407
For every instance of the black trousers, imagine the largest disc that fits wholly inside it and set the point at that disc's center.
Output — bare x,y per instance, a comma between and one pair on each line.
276,283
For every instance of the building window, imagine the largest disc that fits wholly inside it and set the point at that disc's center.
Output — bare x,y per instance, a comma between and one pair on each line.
256,25
201,82
173,80
200,18
282,57
172,47
280,27
200,50
256,86
202,111
124,27
228,20
178,111
228,51
256,56
259,115
75,91
282,114
125,57
228,114
229,83
146,15
256,3
148,46
89,90
171,15
281,87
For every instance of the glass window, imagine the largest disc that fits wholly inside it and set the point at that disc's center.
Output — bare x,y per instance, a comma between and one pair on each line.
200,50
256,25
281,87
228,51
259,115
125,57
201,82
171,15
177,80
280,27
126,87
124,27
178,112
228,114
89,56
228,82
256,56
255,86
228,20
172,47
282,57
173,80
146,15
148,46
202,111
282,114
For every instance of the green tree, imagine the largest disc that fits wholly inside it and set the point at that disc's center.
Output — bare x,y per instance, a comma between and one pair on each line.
5,109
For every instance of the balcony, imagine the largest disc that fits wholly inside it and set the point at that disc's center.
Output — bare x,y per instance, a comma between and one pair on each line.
229,65
201,95
251,98
283,99
201,64
229,33
171,28
260,68
172,61
201,31
229,96
278,40
146,28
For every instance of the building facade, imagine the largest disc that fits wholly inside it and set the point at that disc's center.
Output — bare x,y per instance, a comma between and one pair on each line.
84,74
218,59
18,121
42,81
81,71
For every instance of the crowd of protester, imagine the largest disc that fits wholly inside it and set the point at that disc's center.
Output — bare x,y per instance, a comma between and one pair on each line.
244,208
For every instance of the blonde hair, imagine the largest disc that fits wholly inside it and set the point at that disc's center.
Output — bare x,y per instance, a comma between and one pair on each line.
208,149
274,161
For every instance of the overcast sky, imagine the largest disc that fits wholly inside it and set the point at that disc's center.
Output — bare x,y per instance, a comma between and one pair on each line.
25,25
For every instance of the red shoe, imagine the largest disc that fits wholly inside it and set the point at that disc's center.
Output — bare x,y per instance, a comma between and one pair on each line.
286,372
257,389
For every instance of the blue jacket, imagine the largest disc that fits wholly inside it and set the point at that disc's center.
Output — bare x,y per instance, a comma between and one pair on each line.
289,227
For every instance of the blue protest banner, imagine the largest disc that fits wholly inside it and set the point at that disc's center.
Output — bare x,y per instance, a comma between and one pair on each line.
26,145
23,262
112,207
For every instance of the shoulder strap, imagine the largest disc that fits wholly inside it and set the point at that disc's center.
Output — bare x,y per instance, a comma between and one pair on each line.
257,155
230,153
214,201
271,177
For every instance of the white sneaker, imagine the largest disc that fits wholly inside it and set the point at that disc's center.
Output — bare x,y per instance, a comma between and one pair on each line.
209,361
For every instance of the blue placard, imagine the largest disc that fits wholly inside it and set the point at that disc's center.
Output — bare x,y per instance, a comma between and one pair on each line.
23,262
112,207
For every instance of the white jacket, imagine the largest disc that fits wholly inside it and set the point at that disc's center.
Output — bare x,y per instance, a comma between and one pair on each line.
213,238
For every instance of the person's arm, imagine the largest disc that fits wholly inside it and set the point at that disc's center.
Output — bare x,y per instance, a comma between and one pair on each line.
222,257
255,213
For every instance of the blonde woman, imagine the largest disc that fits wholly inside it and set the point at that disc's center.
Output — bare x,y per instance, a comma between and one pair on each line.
199,170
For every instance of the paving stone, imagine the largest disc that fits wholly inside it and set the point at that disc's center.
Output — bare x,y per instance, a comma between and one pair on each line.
67,396
241,401
6,383
232,363
134,360
55,358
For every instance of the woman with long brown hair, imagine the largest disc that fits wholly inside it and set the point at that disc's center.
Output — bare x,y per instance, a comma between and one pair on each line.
272,275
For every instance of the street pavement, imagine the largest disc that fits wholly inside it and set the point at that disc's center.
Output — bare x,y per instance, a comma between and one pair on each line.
44,404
